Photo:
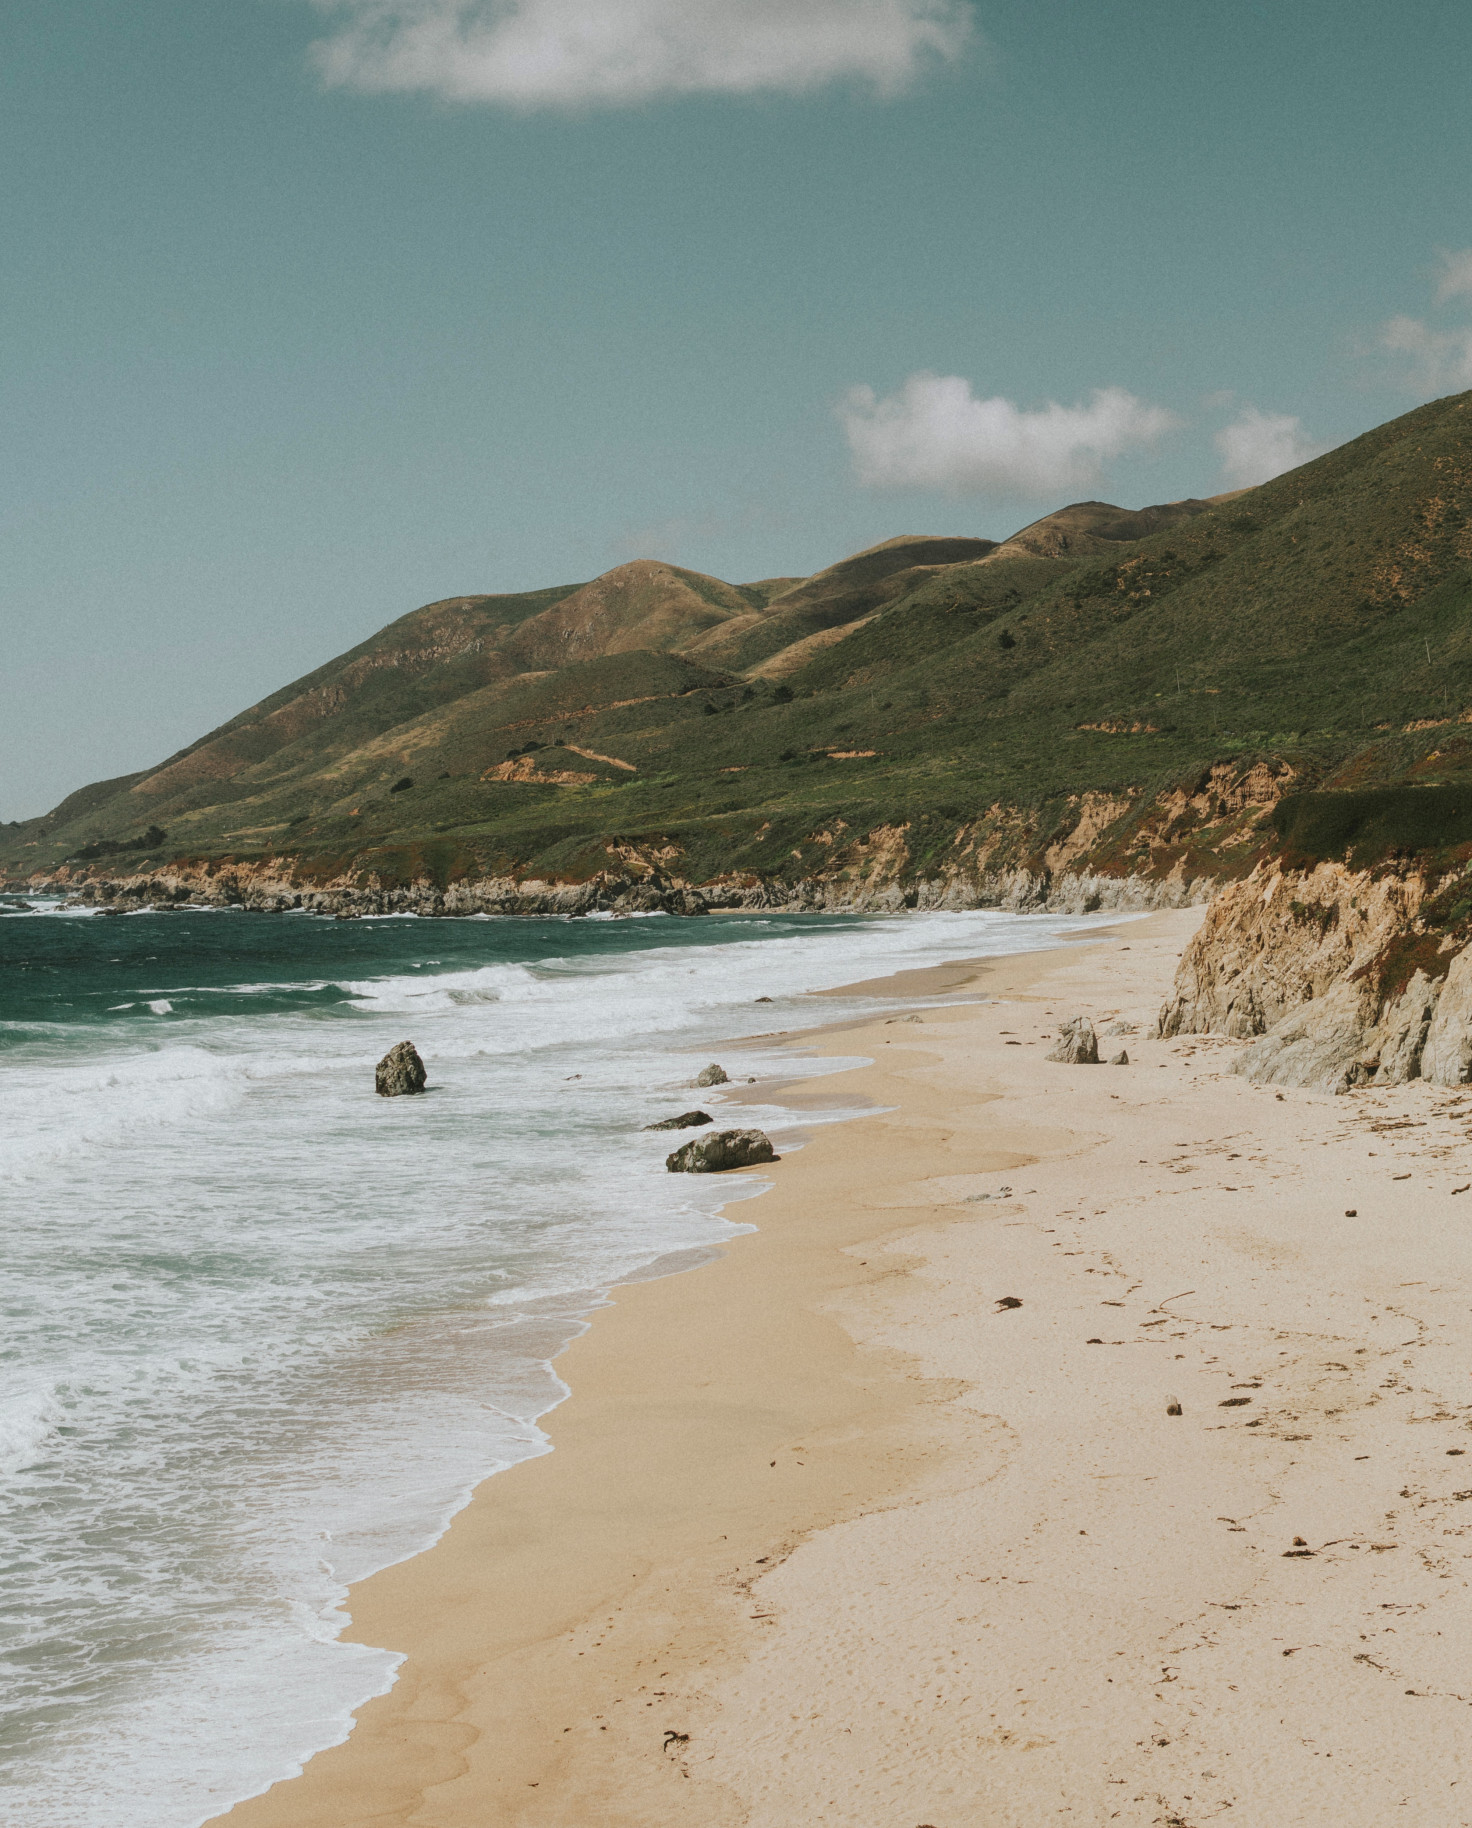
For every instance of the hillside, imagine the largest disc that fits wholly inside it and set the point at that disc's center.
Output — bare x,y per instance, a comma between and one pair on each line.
1126,690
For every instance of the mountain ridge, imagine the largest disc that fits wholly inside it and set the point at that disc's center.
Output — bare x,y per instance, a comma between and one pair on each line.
987,700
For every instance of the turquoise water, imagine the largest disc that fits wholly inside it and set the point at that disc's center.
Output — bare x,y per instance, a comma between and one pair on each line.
264,1331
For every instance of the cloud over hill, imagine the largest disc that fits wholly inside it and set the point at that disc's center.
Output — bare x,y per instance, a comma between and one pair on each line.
1439,359
935,434
1257,446
1456,276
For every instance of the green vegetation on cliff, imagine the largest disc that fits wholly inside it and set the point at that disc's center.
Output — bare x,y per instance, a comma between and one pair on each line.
1149,681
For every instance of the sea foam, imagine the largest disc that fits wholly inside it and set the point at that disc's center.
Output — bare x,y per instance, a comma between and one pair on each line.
266,1331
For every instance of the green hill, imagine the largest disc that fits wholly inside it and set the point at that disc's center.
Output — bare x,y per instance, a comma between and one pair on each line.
1127,689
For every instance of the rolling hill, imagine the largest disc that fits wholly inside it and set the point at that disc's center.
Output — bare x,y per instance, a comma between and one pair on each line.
1129,692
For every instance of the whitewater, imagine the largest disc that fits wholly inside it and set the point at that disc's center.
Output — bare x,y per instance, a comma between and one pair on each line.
265,1332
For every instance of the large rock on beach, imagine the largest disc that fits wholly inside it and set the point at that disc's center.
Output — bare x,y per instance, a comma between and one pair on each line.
399,1072
712,1075
1347,1037
726,1149
1077,1044
687,1120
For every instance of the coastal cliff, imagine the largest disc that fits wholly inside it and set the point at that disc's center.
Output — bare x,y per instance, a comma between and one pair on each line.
1077,853
1339,977
273,887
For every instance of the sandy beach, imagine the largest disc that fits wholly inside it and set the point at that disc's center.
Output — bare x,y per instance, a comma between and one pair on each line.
884,1520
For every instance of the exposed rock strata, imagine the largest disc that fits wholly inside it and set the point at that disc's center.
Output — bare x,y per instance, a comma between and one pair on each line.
1336,977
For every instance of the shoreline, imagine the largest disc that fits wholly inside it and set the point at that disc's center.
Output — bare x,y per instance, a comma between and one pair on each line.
353,1780
834,1534
527,1180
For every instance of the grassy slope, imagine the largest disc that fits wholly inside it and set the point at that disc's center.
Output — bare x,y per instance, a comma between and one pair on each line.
1309,621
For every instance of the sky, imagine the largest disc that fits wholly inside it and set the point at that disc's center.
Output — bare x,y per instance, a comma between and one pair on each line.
312,311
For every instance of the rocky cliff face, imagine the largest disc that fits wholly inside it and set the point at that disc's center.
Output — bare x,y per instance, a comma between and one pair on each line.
1078,853
272,886
1339,977
1093,852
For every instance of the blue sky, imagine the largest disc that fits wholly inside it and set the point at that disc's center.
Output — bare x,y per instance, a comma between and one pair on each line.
310,313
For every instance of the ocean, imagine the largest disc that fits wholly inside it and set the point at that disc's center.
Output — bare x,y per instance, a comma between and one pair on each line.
264,1331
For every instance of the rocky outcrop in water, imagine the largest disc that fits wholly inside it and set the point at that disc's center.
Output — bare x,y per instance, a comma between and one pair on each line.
712,1075
726,1149
1077,1044
1337,977
400,1072
687,1120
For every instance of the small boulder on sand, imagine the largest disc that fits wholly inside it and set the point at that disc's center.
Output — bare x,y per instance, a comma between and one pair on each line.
399,1072
1077,1043
687,1120
726,1149
1120,1059
712,1075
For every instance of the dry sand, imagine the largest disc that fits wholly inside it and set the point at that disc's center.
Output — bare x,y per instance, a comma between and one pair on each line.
831,1537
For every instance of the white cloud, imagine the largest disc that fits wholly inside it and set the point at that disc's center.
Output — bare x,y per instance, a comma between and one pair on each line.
1257,446
615,53
1456,276
1440,359
935,434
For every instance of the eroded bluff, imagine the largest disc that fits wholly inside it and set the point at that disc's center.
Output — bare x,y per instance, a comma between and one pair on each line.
1338,977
